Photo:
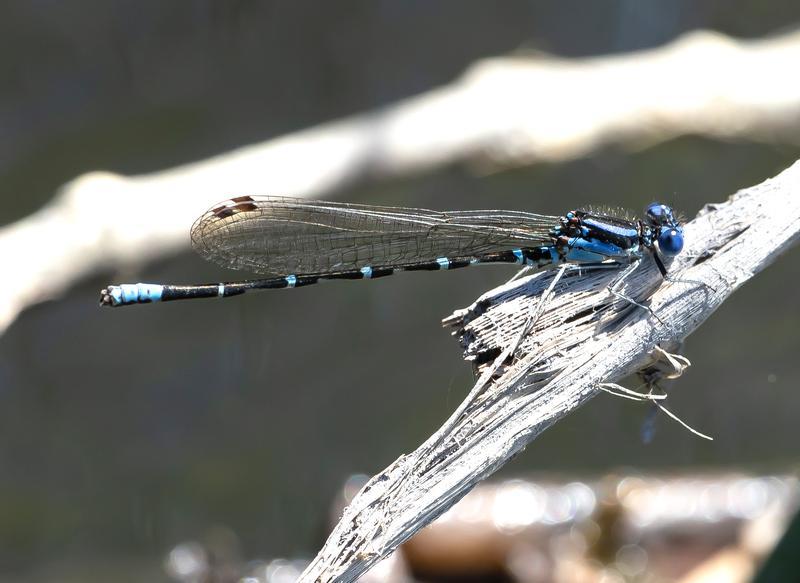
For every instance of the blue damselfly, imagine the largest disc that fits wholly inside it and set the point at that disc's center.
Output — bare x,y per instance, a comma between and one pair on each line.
297,242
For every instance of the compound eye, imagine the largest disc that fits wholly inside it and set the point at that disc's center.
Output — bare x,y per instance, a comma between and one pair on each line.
670,241
659,213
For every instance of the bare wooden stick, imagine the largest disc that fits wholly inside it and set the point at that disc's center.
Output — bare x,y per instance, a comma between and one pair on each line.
585,338
502,112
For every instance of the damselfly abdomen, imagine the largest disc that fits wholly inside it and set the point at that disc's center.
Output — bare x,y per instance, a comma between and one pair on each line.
299,242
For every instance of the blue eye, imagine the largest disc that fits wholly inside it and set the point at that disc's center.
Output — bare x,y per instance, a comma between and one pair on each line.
660,214
670,241
656,210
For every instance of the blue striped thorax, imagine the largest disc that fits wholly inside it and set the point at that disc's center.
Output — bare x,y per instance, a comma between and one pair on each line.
587,236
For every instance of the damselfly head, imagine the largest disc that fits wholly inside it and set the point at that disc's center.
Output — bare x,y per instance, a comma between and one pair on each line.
666,228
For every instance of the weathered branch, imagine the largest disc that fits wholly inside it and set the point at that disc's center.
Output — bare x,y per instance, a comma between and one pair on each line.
585,337
502,112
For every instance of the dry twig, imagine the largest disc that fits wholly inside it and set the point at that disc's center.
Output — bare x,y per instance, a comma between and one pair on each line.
585,338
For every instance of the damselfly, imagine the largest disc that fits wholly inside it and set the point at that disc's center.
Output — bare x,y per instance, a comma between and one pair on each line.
298,242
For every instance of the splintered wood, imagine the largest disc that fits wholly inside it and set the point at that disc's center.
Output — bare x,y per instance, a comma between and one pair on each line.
535,370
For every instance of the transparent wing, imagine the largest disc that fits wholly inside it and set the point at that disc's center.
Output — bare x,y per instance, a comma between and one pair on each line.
281,235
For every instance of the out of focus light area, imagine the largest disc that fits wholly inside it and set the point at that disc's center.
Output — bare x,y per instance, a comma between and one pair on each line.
687,528
215,441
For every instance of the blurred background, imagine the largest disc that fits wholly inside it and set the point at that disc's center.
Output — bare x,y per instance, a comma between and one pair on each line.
127,432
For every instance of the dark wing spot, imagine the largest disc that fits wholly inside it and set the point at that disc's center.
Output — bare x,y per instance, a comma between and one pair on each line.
241,204
222,212
242,207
